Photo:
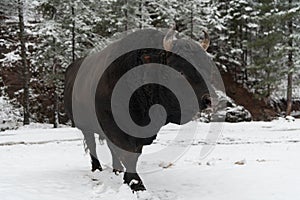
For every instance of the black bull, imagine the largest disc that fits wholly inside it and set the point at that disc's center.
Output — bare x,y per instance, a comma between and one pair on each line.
141,100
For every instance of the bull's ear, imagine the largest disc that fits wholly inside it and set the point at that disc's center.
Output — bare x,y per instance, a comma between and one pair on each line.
169,38
206,41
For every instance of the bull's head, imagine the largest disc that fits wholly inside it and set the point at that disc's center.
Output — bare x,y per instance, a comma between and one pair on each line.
195,53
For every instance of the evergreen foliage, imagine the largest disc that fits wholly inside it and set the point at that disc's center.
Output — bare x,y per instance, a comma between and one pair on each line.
251,39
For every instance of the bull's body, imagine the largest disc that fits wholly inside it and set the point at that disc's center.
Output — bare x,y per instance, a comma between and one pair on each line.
102,121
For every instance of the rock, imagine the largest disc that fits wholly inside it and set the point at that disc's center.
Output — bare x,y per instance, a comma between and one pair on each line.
226,110
241,162
237,114
290,118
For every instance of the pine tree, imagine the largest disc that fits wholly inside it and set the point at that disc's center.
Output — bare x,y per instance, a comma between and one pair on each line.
17,46
236,26
265,69
289,15
256,41
68,30
24,63
162,13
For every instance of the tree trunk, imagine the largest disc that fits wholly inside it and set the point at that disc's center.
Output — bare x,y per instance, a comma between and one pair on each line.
56,109
192,22
141,13
246,54
290,67
73,34
126,15
73,49
289,94
55,88
25,67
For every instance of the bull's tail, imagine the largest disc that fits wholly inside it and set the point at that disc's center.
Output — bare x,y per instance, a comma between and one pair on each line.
85,146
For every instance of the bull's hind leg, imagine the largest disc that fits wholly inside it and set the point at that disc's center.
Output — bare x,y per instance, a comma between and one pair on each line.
117,166
131,177
89,138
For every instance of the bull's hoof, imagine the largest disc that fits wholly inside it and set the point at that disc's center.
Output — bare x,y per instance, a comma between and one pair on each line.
95,168
117,171
137,187
134,181
96,165
117,167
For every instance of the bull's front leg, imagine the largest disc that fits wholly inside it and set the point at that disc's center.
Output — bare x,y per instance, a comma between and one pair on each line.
131,177
89,138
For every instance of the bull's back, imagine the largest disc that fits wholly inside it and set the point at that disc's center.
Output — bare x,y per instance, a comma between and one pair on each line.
70,77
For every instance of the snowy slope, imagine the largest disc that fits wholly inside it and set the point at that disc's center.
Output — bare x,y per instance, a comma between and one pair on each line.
252,160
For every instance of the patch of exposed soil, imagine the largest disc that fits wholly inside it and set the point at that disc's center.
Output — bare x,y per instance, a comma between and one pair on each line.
258,108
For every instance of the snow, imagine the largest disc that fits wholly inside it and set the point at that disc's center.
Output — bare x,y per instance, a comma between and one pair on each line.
10,117
248,9
252,160
10,57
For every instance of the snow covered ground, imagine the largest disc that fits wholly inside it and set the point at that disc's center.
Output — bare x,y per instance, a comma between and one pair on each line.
252,160
10,117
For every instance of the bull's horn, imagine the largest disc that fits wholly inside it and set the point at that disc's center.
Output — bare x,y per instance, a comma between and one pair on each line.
168,39
206,41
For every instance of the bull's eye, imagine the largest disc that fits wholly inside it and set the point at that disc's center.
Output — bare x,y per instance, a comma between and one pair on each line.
146,58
